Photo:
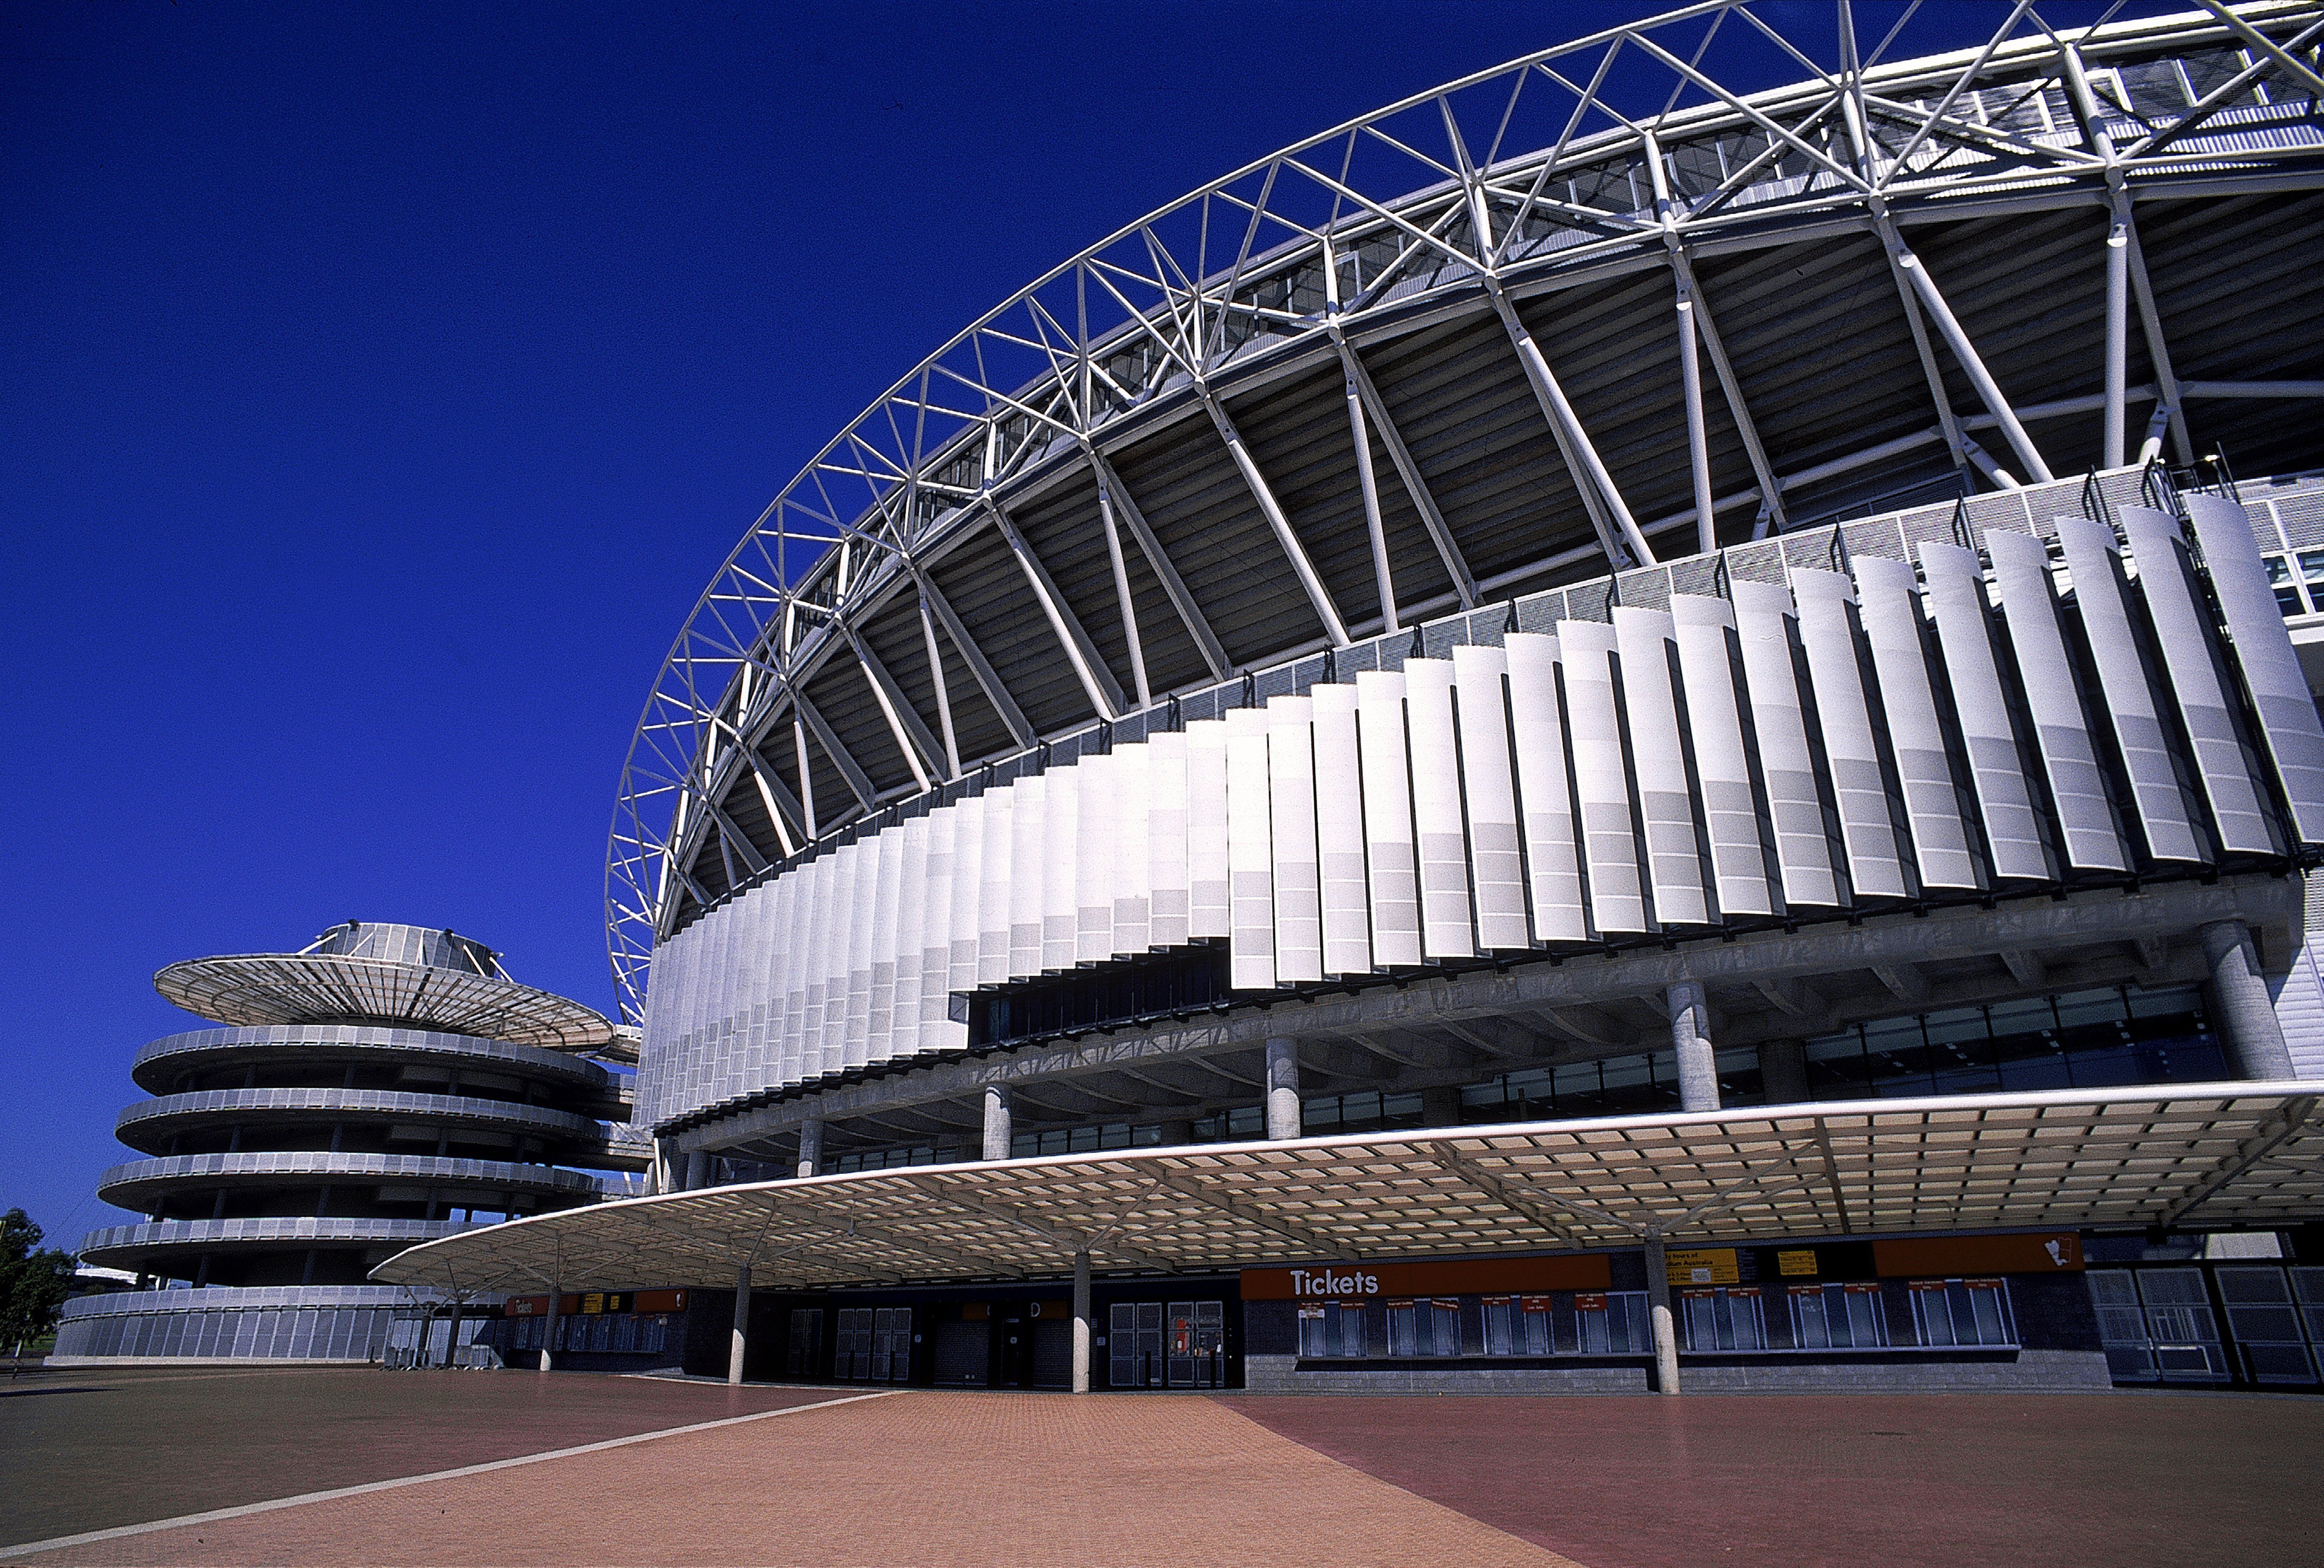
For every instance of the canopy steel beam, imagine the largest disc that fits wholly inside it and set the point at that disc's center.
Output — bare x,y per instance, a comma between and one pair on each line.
1080,652
987,681
1198,625
1319,596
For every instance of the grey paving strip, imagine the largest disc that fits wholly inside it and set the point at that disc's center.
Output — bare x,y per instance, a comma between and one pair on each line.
215,1515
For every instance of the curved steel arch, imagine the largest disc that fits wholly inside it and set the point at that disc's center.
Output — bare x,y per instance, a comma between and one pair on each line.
1414,202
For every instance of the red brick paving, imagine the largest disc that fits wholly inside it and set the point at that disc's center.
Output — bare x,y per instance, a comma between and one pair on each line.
1895,1481
925,1478
88,1449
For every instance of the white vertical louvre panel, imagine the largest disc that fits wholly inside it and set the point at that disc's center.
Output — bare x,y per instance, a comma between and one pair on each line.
2021,573
1134,866
797,961
1093,859
915,896
1601,781
1250,870
1538,736
863,926
839,908
2263,652
2128,697
934,977
1489,798
751,1010
2005,798
1028,873
1889,594
1445,928
1340,831
969,896
903,864
1643,641
1836,671
1291,830
769,949
1061,843
2190,659
1210,908
1166,839
1764,618
996,873
814,979
1393,869
1703,628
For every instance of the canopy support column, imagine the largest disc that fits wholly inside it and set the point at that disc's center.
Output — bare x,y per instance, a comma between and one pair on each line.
1082,1335
741,1342
1658,1309
1282,1089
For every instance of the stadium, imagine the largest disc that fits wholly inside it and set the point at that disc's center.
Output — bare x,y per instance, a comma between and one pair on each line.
1602,731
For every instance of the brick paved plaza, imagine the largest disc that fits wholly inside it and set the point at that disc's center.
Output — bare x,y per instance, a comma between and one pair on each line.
944,1478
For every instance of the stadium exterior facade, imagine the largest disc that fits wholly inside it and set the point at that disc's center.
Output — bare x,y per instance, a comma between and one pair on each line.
1670,758
386,1084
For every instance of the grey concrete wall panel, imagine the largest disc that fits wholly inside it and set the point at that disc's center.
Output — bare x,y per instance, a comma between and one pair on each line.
1889,598
1644,642
1836,671
1703,628
2184,633
1764,616
1291,825
1211,909
1601,779
1445,928
2100,594
1340,831
1544,795
2005,798
1249,853
1393,868
2263,653
1489,798
2021,572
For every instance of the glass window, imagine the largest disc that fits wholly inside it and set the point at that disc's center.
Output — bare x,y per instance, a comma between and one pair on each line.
1347,1322
1445,1315
1725,1319
2287,593
1500,1326
1962,1311
1402,1329
1311,1331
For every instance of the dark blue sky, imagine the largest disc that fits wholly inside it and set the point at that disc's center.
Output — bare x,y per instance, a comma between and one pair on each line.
379,385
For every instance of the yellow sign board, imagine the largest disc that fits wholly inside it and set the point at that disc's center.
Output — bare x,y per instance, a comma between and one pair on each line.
1802,1261
1702,1266
593,1302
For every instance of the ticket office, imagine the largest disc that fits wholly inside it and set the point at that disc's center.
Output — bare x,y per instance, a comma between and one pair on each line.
1975,1297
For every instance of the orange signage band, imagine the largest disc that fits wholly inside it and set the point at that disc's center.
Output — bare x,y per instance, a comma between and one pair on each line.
2046,1252
1462,1277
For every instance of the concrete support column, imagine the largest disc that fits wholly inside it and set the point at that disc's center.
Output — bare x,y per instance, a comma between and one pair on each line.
1784,1072
741,1339
1698,1071
1084,1337
2240,1008
1658,1309
997,1125
1441,1106
810,1155
451,1336
697,1169
549,1329
1282,1088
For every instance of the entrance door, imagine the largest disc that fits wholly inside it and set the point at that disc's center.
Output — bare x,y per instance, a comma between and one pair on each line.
2265,1324
964,1350
1133,1344
1015,1351
1197,1347
891,1344
2157,1325
852,1358
803,1351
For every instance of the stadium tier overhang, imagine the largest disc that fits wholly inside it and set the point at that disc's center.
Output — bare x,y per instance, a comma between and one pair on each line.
2196,1156
1548,321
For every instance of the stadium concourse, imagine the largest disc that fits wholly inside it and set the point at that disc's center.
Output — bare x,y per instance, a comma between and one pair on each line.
1598,733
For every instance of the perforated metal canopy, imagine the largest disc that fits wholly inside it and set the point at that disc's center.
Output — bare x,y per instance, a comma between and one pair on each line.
2216,1156
302,988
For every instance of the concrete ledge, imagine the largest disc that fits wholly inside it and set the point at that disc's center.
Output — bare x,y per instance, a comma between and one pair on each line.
2030,1372
206,1362
1280,1375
